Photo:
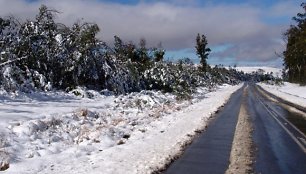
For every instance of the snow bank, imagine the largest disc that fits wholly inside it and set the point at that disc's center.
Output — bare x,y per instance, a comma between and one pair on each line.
135,133
293,93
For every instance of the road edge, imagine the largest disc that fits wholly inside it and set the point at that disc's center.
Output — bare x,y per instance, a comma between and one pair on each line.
193,136
297,106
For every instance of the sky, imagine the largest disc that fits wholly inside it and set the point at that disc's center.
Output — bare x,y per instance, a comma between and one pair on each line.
239,32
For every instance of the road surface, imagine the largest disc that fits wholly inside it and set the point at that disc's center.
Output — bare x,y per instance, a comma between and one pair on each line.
279,145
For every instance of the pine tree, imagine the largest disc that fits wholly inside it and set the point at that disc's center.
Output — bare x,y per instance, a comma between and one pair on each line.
202,50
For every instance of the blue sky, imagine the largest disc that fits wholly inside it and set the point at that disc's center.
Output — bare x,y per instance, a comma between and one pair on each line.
239,32
263,3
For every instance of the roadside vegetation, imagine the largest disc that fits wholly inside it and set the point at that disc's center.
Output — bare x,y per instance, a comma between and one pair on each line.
42,55
295,53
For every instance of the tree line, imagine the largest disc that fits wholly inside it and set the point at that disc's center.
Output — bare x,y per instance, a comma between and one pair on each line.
41,54
295,53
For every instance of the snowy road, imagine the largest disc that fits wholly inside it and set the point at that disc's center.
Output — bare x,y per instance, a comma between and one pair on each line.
278,139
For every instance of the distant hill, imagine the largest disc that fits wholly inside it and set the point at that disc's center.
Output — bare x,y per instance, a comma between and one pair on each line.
277,72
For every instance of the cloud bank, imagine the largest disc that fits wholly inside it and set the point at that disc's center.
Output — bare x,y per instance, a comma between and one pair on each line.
247,28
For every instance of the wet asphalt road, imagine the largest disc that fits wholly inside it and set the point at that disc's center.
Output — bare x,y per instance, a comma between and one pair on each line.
279,146
209,153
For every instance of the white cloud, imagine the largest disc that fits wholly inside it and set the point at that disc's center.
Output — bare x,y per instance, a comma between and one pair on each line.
264,50
174,25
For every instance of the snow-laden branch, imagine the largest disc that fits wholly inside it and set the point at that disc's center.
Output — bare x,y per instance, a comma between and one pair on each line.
11,61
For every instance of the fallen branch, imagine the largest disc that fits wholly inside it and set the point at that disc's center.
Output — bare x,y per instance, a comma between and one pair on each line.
12,61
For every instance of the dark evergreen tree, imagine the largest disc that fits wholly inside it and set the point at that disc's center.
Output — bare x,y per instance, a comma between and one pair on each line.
120,49
143,51
202,50
132,53
159,53
9,33
295,53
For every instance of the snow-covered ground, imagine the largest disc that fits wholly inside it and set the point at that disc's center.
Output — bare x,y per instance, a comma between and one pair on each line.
136,133
277,72
293,93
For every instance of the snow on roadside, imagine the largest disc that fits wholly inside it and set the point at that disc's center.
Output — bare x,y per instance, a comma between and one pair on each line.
293,93
136,133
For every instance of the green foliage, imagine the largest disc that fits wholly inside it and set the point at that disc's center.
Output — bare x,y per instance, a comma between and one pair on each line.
295,53
279,81
202,50
40,54
159,53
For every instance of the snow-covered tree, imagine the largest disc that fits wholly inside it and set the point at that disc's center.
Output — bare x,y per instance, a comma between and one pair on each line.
39,54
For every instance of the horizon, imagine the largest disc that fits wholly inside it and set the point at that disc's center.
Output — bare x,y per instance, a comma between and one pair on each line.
242,33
